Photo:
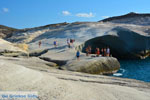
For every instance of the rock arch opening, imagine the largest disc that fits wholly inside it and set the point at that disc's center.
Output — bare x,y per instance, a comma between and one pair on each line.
118,47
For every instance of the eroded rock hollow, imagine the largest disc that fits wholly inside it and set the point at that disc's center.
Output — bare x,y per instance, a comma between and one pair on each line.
124,44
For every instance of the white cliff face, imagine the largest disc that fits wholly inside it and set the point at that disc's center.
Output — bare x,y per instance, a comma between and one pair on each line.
34,74
80,32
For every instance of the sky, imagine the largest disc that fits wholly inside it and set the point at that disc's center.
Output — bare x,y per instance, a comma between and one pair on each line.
33,13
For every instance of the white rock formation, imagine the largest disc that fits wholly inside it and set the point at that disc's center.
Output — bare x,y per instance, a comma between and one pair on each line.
97,65
7,46
130,34
34,74
53,84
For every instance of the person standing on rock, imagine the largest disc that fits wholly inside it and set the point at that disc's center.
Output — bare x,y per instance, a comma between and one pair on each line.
108,52
78,55
40,44
102,51
97,52
68,43
71,42
55,44
89,49
69,46
105,52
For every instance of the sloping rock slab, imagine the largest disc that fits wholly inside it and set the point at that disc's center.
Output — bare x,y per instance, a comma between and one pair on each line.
97,65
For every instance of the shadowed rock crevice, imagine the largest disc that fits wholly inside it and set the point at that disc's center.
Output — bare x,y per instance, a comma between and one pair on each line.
58,62
38,53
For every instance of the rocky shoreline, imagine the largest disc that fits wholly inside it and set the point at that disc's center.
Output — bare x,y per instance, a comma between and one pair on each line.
96,65
55,72
22,73
34,74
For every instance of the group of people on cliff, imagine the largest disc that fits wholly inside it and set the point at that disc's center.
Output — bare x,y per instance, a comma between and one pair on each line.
104,52
70,42
55,43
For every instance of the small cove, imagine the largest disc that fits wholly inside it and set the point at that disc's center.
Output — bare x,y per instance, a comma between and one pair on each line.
135,69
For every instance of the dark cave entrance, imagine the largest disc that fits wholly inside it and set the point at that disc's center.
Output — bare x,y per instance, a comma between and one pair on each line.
117,47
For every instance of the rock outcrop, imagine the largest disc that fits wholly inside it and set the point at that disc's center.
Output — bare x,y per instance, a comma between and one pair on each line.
65,58
124,44
96,65
10,49
127,41
6,46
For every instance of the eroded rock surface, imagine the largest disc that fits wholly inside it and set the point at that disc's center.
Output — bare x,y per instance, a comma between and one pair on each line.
53,84
132,40
10,49
97,65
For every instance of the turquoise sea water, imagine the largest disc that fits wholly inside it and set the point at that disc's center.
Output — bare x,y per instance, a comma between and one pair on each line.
135,69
